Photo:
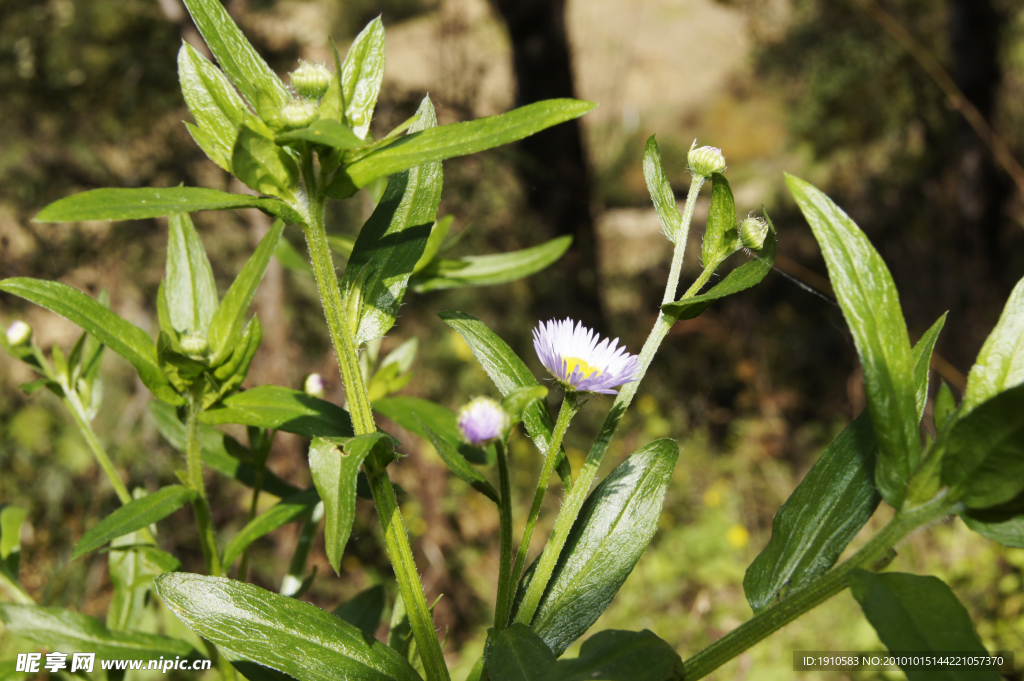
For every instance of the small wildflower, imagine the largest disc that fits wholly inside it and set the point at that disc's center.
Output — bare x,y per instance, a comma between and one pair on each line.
299,113
482,420
18,334
314,385
311,80
705,161
753,232
581,360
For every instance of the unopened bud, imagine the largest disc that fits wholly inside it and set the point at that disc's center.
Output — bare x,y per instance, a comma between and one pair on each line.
311,80
314,385
705,161
19,333
753,232
299,113
194,345
482,420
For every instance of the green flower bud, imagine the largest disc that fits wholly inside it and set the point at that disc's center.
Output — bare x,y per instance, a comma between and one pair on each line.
705,161
299,113
314,385
195,346
19,333
753,232
311,80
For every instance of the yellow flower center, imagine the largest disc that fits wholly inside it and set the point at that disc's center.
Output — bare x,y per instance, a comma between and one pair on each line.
571,363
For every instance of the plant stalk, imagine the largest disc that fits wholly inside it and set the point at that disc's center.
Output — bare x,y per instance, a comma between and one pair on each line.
200,506
581,487
505,572
781,613
292,582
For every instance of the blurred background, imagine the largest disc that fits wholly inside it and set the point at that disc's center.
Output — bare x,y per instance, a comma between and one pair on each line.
873,103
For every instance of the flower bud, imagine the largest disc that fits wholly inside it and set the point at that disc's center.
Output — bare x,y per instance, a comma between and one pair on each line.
19,333
194,345
314,385
753,232
482,420
311,80
705,161
299,113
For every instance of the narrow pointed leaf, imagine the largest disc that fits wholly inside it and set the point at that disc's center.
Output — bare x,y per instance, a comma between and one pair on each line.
508,372
610,535
740,279
661,191
189,285
290,258
73,632
263,166
334,468
867,295
920,614
364,610
721,219
122,337
1003,523
132,565
277,408
134,515
438,233
392,241
984,460
612,655
922,354
489,270
361,76
517,401
413,413
240,61
215,453
1000,364
458,465
233,371
517,654
324,131
287,510
139,204
227,322
460,139
309,644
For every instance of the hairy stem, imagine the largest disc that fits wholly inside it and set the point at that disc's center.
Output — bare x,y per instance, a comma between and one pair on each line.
505,572
777,615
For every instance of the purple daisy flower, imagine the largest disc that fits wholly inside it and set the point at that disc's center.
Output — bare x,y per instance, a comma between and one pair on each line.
482,420
581,360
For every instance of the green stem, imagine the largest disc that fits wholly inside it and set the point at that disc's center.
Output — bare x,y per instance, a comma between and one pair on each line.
259,444
395,535
292,582
505,572
777,615
200,506
569,407
585,478
74,405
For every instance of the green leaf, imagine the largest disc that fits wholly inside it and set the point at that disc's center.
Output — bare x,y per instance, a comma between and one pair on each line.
508,372
740,279
135,515
342,245
214,451
332,106
661,191
921,614
232,372
324,131
73,632
721,219
132,566
517,654
870,303
189,285
945,406
413,413
922,354
139,204
460,139
392,241
263,166
364,610
437,236
334,474
829,506
11,520
616,523
458,465
291,258
612,655
226,325
294,507
277,408
1000,364
361,76
243,65
309,644
984,460
517,401
489,270
122,337
1003,523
